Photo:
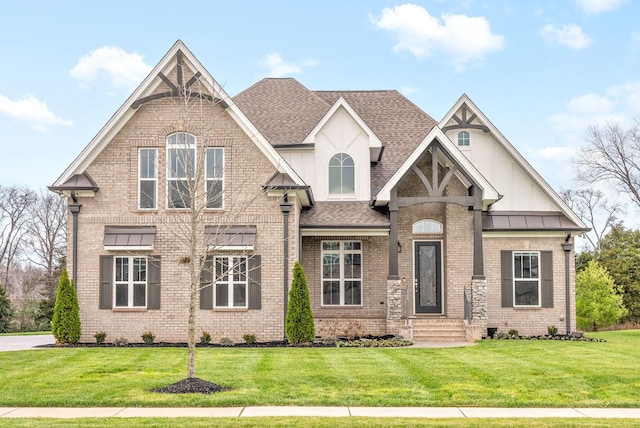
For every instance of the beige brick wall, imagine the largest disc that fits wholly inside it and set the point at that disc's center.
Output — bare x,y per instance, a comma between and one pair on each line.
373,312
115,171
527,321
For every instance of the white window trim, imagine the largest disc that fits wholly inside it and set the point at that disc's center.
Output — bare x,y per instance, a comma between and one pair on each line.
154,179
213,179
538,279
355,182
430,223
169,179
468,139
342,279
130,282
230,282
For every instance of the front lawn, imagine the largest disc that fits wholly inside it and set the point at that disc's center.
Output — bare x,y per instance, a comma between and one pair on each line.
494,373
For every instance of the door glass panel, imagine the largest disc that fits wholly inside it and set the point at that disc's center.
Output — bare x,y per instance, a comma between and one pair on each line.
427,276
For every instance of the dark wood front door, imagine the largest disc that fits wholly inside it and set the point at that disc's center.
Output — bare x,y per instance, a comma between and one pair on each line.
428,277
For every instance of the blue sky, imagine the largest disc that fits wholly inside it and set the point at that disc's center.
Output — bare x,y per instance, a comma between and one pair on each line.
541,71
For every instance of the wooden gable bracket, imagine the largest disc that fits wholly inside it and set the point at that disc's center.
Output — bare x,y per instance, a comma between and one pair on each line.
178,89
435,188
465,122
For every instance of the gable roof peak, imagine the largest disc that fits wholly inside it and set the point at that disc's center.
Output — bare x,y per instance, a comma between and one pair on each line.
178,54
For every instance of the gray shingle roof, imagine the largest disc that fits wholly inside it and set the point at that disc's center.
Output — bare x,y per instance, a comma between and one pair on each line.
285,112
343,214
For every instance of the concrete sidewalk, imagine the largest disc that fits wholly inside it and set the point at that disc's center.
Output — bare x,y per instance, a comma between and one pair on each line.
267,411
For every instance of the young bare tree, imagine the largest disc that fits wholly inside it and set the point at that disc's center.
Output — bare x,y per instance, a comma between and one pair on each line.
200,183
612,154
593,207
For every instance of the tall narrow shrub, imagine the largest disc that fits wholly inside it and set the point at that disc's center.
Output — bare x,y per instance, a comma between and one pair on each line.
65,324
299,326
6,311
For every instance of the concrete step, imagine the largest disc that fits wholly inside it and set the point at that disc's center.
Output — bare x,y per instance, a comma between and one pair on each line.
438,330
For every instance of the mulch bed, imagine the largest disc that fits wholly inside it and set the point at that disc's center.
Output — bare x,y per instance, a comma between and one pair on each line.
192,385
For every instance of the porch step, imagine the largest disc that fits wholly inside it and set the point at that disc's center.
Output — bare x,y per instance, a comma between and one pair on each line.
438,330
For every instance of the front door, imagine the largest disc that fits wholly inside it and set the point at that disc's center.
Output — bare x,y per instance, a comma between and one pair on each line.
428,277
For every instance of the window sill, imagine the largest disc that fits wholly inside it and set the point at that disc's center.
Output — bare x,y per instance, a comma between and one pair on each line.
342,306
129,309
230,309
527,308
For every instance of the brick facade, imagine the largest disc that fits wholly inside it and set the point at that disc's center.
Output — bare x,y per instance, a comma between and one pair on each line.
115,171
388,304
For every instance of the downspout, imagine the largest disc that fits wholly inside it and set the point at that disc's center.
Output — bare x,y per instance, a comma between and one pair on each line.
285,207
567,247
75,210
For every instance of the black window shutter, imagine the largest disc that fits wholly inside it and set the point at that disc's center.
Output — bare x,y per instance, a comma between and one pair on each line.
206,284
547,279
506,258
153,282
105,295
255,280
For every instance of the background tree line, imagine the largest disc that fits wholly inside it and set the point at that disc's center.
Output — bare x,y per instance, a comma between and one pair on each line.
32,255
607,199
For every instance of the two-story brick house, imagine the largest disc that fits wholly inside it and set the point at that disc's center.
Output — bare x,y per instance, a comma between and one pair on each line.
404,225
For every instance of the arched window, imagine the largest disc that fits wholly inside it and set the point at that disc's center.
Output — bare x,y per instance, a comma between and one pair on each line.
427,226
341,175
463,138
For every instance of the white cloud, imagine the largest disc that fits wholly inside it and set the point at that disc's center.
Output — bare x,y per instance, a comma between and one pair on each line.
31,110
555,153
618,103
463,40
121,68
279,68
570,35
594,7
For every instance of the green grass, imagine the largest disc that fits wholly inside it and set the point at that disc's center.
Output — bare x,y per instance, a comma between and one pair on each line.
315,422
490,374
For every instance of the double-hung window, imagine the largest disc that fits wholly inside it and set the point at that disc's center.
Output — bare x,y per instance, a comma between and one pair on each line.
147,179
230,290
181,169
526,278
130,282
341,273
215,178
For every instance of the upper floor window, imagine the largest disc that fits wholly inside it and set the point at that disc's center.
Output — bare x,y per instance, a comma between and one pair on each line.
181,169
341,175
214,176
463,138
427,226
147,179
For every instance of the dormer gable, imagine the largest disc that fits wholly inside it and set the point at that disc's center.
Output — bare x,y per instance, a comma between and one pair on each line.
521,187
348,114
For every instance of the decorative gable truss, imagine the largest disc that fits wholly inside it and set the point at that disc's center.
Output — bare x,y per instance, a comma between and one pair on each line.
158,85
